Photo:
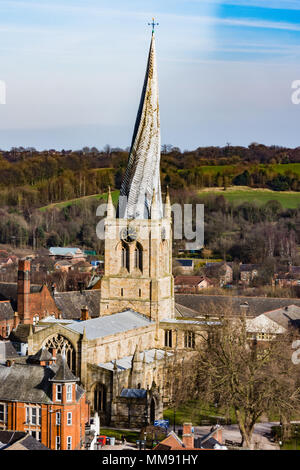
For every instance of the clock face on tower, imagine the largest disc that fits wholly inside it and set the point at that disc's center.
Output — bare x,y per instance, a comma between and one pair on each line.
128,234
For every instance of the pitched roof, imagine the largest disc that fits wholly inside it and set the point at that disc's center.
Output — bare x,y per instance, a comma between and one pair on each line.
249,267
126,362
65,251
213,304
20,334
110,324
6,310
7,351
63,373
192,281
42,355
19,440
286,316
29,383
71,303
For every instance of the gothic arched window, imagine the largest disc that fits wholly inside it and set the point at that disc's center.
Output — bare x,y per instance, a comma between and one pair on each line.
138,257
125,256
62,346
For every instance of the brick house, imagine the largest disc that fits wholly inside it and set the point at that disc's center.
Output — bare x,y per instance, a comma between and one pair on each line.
211,441
191,284
220,270
248,272
39,395
31,302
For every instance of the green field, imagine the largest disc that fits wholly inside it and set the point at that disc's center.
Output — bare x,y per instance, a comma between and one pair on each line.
70,202
238,195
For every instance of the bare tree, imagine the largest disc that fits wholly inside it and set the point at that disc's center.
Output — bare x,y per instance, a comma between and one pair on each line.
251,377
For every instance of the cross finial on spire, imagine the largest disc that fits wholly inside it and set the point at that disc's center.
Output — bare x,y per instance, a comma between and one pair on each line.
153,24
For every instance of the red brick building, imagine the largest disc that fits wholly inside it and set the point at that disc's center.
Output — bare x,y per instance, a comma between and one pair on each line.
40,395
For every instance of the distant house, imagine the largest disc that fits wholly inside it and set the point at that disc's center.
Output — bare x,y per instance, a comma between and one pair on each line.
291,278
186,265
191,284
66,253
248,272
63,265
221,271
211,441
268,325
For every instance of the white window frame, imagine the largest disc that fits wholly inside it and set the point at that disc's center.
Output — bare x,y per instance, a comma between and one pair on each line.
57,443
4,420
58,392
57,418
69,443
69,418
37,434
69,392
33,415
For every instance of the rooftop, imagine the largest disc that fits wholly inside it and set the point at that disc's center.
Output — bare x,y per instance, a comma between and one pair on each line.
111,324
126,362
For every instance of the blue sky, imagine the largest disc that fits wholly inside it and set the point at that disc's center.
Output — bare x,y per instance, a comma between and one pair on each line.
74,71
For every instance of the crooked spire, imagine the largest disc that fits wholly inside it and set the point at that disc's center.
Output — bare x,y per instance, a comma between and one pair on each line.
142,176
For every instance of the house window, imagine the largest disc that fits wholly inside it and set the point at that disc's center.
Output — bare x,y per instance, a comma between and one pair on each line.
7,330
168,338
3,413
33,415
69,392
57,442
69,443
57,418
58,392
69,419
189,339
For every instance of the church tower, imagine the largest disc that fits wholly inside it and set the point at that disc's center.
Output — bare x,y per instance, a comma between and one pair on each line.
138,237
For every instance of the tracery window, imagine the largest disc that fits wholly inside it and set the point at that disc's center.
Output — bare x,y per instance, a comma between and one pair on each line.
62,346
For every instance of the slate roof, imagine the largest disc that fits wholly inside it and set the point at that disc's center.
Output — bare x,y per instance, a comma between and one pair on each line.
9,291
110,324
19,440
286,316
6,310
7,351
29,383
134,393
70,303
187,263
192,281
20,334
182,311
65,251
42,355
249,267
27,443
214,304
126,362
63,373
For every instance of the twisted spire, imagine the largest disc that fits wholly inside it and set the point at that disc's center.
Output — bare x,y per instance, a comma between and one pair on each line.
142,176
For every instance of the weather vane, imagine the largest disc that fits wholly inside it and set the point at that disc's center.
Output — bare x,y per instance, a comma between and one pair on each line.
153,24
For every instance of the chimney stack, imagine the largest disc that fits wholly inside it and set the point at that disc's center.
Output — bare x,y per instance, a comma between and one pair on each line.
84,313
188,436
24,290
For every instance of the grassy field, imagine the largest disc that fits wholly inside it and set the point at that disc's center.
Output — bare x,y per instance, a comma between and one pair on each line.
131,436
70,202
240,194
199,414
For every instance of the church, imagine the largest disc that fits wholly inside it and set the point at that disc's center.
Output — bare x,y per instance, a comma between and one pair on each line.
122,355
